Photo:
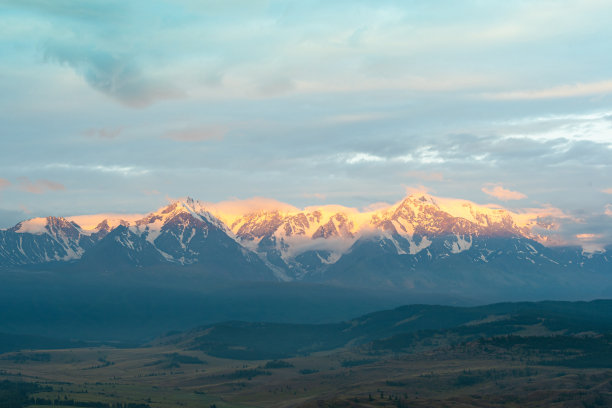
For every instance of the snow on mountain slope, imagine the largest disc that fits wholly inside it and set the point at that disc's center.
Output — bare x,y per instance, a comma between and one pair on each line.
292,242
182,233
318,235
315,237
172,229
42,240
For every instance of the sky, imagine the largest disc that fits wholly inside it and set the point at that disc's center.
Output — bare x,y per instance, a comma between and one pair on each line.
114,106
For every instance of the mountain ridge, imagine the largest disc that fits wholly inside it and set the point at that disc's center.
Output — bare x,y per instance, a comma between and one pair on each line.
402,245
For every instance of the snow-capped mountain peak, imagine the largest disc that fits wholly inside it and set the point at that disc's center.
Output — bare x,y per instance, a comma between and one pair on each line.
290,242
40,240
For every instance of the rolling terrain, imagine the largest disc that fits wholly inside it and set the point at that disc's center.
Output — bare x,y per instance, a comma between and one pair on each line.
511,354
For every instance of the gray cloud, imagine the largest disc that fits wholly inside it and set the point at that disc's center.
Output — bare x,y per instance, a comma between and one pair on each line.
117,75
197,134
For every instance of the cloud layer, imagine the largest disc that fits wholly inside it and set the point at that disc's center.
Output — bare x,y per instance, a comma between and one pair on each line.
503,194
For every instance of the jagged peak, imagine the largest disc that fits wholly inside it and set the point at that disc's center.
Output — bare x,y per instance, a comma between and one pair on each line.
421,197
186,205
231,216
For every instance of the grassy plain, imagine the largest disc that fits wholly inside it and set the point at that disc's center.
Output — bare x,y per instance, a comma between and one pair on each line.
553,354
476,373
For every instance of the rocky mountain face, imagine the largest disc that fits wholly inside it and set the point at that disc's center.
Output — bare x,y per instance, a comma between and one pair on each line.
421,242
180,234
44,240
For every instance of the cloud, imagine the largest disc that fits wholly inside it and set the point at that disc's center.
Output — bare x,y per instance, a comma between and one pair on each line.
115,74
230,210
591,242
102,168
420,189
608,210
588,237
39,186
424,175
607,190
275,86
354,158
503,194
357,117
197,134
562,91
380,205
4,183
102,133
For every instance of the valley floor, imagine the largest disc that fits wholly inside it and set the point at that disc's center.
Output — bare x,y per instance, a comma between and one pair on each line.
472,374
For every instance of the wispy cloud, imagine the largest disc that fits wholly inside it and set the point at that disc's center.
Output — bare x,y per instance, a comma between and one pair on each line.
561,91
39,186
102,168
102,133
503,194
591,242
607,190
197,134
420,189
376,206
357,117
4,183
113,73
355,158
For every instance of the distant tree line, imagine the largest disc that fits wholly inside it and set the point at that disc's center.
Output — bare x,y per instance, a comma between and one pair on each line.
18,395
85,404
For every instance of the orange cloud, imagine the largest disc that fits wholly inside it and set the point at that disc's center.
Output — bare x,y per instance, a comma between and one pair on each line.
420,189
607,190
588,237
590,242
230,210
381,205
503,194
4,183
39,186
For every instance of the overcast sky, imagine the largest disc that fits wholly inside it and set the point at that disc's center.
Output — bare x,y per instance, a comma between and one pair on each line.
116,106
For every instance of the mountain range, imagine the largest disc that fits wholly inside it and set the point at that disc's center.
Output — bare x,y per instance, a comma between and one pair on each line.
421,243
